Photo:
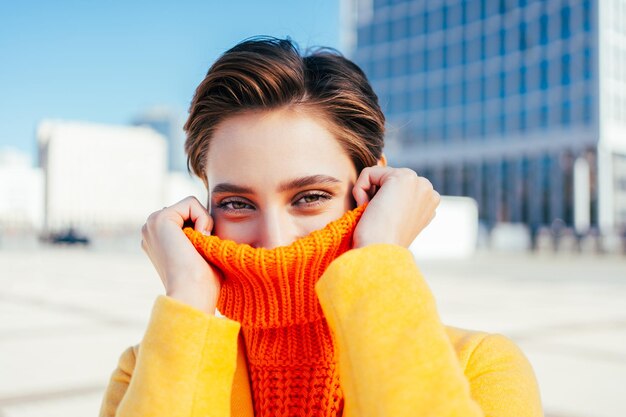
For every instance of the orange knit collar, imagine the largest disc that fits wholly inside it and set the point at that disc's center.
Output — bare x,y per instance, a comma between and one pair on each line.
284,276
289,346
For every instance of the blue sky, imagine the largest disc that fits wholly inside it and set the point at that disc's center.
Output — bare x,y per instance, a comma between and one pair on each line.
107,61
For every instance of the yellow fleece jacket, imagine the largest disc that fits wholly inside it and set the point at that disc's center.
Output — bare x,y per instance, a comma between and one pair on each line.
396,358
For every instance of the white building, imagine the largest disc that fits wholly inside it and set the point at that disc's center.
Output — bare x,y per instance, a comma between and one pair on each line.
21,193
100,178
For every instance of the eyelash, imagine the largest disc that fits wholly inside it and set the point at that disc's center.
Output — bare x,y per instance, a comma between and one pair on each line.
321,197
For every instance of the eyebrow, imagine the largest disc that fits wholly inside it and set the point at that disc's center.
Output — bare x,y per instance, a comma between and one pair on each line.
300,182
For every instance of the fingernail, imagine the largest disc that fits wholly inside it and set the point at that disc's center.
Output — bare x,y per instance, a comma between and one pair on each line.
206,233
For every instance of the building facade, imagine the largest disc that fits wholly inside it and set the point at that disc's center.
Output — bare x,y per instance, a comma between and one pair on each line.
100,178
500,100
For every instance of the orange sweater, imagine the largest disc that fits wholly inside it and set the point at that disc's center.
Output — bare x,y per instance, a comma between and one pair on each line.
392,355
290,353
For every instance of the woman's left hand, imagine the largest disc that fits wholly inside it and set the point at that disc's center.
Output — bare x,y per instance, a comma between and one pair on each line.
401,204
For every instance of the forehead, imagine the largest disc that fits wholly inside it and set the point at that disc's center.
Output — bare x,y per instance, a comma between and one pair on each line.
271,146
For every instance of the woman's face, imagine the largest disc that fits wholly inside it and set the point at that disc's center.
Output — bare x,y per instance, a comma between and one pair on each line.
275,176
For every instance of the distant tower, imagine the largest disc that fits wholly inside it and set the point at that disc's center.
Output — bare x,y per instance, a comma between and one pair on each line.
167,123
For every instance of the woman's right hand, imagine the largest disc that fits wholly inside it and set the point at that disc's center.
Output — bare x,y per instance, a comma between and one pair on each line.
186,275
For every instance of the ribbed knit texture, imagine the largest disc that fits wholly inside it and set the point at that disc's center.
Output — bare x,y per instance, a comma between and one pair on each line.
271,292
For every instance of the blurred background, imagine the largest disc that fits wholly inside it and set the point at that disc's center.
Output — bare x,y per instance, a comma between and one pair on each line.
514,109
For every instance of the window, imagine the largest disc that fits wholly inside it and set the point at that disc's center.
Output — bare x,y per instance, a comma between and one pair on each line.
454,15
587,63
435,97
512,83
473,12
417,62
533,117
512,122
444,95
587,110
502,122
436,21
492,47
587,15
565,69
400,28
454,55
473,50
523,119
438,131
380,68
554,27
491,7
577,110
492,89
555,72
399,65
417,100
416,26
533,77
565,22
502,42
543,29
522,80
380,33
543,116
435,59
363,36
472,90
555,114
472,127
532,33
576,66
512,40
400,101
566,116
522,41
455,94
543,68
491,125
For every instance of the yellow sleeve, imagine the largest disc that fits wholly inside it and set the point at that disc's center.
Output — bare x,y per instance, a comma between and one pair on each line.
184,366
395,358
502,380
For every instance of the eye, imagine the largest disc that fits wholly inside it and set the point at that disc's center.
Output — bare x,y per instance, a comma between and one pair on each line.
234,205
312,199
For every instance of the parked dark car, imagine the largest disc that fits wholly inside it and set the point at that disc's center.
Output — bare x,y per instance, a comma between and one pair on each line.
69,237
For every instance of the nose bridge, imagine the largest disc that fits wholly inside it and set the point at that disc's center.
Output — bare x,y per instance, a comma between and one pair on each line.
276,228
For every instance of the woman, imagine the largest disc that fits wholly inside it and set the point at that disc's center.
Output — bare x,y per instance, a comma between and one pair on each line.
308,258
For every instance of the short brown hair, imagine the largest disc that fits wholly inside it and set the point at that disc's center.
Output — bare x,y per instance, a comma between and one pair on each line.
264,73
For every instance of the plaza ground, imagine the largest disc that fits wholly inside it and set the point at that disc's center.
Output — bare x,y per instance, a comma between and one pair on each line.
68,313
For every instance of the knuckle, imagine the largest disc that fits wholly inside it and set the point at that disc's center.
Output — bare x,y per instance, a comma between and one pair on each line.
191,200
425,182
408,172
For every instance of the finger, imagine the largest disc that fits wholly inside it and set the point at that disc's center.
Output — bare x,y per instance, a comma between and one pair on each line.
365,186
204,225
191,209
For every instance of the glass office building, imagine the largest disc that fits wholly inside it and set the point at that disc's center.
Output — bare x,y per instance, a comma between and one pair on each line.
518,104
